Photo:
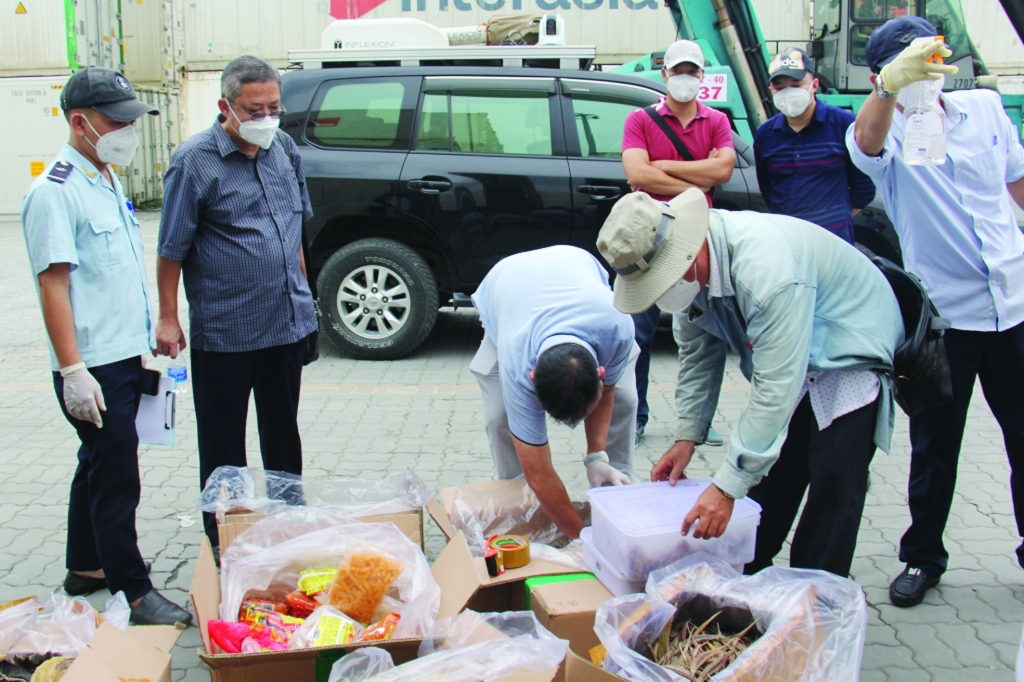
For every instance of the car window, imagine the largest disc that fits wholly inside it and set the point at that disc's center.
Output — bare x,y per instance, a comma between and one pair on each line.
486,122
358,114
600,111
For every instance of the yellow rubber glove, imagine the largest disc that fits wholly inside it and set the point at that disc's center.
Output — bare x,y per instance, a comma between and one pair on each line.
912,65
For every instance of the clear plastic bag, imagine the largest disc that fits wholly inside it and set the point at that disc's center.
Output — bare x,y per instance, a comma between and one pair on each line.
269,492
509,509
312,633
275,566
25,629
117,612
812,623
466,648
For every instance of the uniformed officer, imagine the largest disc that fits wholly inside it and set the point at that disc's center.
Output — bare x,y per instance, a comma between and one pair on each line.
85,249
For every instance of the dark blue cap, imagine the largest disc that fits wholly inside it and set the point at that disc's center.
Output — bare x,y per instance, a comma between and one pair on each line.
892,37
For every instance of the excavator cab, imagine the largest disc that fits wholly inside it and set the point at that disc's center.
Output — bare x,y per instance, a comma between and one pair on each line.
842,28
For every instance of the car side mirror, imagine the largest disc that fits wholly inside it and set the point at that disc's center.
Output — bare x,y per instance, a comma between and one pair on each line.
817,49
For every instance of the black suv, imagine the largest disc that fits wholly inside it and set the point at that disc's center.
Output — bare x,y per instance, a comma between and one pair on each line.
422,178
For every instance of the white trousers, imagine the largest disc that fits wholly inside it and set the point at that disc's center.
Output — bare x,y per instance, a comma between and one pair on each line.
621,441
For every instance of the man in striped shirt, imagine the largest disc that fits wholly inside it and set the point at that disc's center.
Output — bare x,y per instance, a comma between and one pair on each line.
234,202
803,166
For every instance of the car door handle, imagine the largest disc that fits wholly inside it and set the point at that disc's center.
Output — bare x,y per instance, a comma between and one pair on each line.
429,186
600,192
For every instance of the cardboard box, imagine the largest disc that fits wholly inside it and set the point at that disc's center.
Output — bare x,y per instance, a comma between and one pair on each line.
464,584
142,653
578,669
232,524
568,609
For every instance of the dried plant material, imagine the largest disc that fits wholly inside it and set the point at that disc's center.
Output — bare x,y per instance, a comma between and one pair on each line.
699,652
363,580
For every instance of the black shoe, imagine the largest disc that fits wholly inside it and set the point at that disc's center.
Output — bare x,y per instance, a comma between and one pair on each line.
79,585
910,586
155,609
216,555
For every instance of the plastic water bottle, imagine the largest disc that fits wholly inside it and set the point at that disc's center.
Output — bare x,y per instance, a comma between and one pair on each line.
179,372
924,128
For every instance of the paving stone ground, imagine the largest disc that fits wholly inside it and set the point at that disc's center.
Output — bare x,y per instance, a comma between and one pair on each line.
366,419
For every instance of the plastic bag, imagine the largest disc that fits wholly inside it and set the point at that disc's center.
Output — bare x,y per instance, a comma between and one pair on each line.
117,612
245,566
327,626
361,664
466,648
812,623
65,630
509,509
269,492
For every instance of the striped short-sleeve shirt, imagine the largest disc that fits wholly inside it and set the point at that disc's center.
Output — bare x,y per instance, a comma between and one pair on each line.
235,222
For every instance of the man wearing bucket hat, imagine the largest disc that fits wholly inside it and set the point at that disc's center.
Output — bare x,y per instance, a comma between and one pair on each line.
959,235
815,325
85,250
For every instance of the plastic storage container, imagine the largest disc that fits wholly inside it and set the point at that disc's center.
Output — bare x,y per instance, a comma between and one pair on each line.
609,576
637,527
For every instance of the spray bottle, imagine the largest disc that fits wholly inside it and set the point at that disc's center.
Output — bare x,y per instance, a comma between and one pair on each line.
924,129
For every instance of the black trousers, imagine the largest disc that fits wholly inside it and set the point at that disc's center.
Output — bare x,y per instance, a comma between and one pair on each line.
997,358
222,383
832,467
645,324
105,490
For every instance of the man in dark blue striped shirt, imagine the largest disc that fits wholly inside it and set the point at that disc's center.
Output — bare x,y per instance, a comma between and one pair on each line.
234,202
803,167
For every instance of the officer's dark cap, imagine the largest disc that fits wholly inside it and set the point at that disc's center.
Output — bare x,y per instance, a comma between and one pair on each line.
106,91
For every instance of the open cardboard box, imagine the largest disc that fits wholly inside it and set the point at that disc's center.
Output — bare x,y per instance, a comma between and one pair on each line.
142,653
464,584
567,610
232,524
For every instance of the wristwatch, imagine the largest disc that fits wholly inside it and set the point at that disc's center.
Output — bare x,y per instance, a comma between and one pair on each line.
882,93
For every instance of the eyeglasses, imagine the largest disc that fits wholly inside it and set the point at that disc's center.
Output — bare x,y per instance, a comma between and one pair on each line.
260,115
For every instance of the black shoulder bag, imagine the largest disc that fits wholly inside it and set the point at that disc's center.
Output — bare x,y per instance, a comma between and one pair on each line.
921,370
313,340
681,149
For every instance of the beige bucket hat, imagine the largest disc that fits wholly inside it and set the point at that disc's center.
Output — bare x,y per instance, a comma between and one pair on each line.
651,244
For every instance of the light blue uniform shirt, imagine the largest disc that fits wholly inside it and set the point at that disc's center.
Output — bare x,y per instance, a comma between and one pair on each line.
86,222
534,300
955,222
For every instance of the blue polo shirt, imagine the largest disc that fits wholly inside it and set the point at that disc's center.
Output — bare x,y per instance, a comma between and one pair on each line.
72,214
809,174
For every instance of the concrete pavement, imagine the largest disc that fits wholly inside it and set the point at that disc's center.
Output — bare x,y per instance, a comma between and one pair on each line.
365,419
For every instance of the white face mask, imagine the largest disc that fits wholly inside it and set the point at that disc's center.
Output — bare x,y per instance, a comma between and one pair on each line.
261,133
792,101
681,295
683,88
117,146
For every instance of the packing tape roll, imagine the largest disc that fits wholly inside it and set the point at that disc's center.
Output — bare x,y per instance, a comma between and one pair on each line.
515,549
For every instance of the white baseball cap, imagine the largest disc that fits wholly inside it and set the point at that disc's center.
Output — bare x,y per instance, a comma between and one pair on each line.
684,51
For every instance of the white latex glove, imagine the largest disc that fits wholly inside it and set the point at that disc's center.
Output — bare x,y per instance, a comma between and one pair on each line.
912,65
82,394
600,472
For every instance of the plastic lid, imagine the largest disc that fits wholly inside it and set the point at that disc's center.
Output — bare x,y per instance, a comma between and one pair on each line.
657,508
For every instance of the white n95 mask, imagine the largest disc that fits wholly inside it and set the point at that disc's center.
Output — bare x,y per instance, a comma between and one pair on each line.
117,146
792,101
679,297
683,88
261,133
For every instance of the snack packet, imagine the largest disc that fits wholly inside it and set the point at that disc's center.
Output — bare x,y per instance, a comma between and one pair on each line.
299,605
315,580
381,630
327,626
363,579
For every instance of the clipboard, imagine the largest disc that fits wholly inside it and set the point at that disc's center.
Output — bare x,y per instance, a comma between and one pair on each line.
155,419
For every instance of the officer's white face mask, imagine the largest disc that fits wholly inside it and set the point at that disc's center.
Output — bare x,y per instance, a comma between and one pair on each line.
260,133
681,295
117,146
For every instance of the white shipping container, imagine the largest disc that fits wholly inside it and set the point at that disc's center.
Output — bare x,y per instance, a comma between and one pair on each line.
200,91
142,30
34,131
159,135
217,32
52,37
785,21
993,34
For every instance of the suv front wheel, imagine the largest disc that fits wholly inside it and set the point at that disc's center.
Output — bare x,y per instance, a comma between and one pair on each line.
379,299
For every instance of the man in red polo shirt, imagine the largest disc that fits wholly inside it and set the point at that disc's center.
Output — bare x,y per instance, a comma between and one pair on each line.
653,165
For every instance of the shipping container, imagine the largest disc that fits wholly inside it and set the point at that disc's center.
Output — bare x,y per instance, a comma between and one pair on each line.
34,131
200,91
54,37
159,135
993,34
143,36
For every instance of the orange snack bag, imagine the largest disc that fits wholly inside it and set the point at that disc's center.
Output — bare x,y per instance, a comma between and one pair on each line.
364,577
382,629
